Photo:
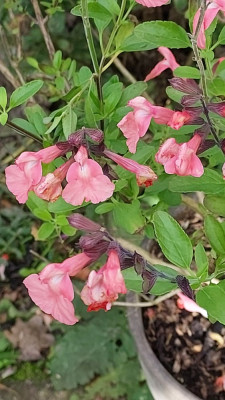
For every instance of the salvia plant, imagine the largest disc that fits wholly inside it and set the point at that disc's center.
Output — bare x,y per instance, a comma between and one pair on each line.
108,149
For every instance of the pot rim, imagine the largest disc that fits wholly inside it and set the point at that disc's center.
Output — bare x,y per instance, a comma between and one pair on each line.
161,384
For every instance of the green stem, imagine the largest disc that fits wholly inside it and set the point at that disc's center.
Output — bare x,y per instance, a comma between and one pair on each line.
88,34
114,31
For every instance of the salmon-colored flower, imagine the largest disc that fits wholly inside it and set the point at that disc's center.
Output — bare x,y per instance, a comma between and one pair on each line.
27,171
135,124
181,158
50,186
52,289
152,3
144,174
169,61
213,7
103,286
187,304
86,181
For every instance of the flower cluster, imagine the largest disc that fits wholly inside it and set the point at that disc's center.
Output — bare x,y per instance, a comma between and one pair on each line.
86,179
52,288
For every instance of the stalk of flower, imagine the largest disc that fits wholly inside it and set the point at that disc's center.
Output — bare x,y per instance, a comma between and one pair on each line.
27,171
144,174
86,181
181,158
169,61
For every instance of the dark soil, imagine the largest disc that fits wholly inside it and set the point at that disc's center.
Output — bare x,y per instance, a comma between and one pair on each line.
189,346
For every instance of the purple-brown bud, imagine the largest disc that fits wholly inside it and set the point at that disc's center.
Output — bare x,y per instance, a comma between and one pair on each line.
188,86
184,285
78,221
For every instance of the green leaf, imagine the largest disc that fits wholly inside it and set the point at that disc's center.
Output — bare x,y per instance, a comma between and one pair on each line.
24,124
95,10
60,206
23,93
209,182
212,298
44,215
111,344
131,91
174,94
153,34
35,202
3,97
201,260
46,229
124,31
69,122
57,59
215,204
111,94
128,216
104,208
215,234
187,72
61,220
3,118
174,242
33,62
68,230
221,37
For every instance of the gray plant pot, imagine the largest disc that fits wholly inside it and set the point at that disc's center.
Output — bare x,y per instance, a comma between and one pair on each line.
161,384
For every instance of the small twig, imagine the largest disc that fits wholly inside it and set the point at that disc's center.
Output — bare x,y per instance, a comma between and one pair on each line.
39,256
147,303
41,23
7,74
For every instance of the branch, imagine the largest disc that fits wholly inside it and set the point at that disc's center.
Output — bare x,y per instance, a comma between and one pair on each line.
41,23
7,74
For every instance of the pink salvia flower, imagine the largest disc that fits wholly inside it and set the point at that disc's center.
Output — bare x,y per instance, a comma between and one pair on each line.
187,304
27,171
52,289
181,158
50,186
144,174
86,181
152,3
179,118
135,124
103,286
169,61
211,12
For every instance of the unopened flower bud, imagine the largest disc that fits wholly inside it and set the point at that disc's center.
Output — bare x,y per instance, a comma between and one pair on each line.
78,221
184,285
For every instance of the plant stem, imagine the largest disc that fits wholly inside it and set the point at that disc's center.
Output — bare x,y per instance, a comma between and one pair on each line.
88,34
198,59
91,46
148,303
114,31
